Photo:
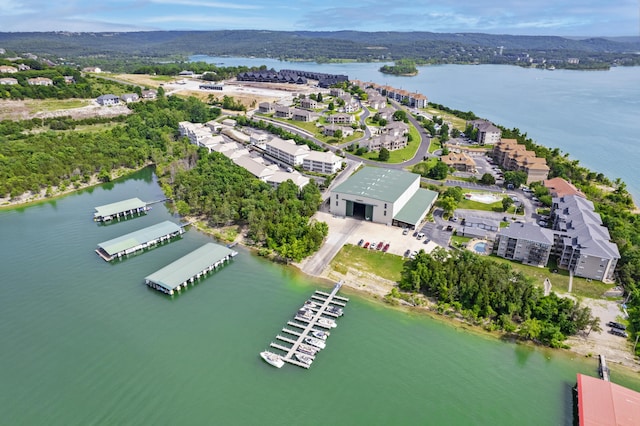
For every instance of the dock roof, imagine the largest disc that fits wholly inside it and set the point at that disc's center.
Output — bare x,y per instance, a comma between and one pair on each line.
175,273
605,403
139,237
119,207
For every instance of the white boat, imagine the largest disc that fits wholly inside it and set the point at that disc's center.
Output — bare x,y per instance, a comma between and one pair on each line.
318,334
326,322
273,359
315,342
303,358
305,313
308,349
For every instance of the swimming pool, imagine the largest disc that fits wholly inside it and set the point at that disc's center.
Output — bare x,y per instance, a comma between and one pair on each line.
480,247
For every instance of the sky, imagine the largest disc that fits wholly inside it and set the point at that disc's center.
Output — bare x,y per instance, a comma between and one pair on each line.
524,17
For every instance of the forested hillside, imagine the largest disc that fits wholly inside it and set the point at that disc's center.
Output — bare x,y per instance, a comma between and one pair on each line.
128,49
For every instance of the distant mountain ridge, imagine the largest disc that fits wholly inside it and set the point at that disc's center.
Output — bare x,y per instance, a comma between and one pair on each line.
315,45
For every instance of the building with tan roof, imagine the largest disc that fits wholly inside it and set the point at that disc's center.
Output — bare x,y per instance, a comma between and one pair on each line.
514,156
459,161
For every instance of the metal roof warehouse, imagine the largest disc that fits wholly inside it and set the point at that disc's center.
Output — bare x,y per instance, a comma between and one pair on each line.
138,240
189,268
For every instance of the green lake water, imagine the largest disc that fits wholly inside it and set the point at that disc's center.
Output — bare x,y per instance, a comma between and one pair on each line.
86,342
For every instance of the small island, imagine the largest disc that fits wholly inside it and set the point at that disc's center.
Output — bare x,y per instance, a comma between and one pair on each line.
400,67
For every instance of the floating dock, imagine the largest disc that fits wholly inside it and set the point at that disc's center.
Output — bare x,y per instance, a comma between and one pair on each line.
138,240
189,268
310,325
120,209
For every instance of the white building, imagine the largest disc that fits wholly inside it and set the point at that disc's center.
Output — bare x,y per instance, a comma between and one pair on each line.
388,196
256,168
322,162
279,177
287,151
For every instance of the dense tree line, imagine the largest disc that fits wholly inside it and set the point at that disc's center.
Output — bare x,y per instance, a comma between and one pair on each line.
38,160
211,72
227,194
485,291
400,67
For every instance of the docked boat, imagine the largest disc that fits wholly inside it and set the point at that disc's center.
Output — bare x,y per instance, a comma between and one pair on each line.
326,322
315,342
318,334
308,349
273,359
335,310
303,358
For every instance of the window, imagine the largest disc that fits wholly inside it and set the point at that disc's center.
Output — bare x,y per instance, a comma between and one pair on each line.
385,213
337,203
385,205
336,196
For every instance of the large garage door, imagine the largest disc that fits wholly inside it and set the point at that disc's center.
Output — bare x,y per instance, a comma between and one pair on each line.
368,212
349,211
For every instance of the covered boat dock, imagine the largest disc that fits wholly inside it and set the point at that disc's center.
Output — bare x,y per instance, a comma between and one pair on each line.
605,403
120,209
189,268
138,240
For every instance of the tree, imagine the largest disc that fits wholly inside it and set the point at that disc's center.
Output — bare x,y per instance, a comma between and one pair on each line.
319,97
439,171
487,179
331,106
506,203
448,204
400,115
383,155
337,134
515,178
454,192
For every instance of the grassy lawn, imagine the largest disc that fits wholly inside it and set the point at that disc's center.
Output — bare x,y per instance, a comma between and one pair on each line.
559,280
55,104
385,265
476,205
457,122
435,145
457,241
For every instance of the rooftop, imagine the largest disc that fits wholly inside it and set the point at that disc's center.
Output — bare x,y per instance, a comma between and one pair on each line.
414,210
139,237
605,403
528,231
119,207
175,273
378,183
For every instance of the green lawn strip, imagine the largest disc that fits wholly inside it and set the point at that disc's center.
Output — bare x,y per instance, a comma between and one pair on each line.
435,145
457,122
476,205
458,241
385,265
55,104
559,280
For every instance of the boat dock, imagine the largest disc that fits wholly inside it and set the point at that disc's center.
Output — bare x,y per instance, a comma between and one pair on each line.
120,209
603,369
186,270
138,240
309,324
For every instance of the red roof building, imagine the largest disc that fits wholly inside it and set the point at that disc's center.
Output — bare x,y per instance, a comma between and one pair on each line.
559,187
602,403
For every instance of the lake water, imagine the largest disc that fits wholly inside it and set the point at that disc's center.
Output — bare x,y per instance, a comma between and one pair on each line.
86,342
592,115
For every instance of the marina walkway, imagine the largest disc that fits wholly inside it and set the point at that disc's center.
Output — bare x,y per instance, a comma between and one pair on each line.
316,323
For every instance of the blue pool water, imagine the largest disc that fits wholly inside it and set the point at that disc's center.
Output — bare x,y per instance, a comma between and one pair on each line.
480,247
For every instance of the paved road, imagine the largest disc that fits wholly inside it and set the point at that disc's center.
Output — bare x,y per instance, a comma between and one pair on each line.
336,239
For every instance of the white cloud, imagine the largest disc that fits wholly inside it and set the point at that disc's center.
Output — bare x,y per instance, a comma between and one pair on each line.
204,3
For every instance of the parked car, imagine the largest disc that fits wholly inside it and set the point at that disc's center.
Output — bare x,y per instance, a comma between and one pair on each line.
426,241
407,253
361,242
366,245
617,325
380,245
386,247
617,332
372,246
405,231
420,235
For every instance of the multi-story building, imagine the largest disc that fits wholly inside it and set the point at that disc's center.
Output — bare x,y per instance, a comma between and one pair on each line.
526,243
322,162
514,156
341,118
459,161
287,151
582,243
488,134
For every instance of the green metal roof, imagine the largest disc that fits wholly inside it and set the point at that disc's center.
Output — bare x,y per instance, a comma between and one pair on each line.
119,207
416,207
377,183
139,237
175,273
